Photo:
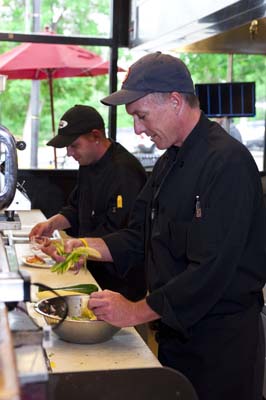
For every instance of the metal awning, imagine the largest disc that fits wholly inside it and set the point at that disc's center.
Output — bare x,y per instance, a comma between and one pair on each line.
249,38
222,26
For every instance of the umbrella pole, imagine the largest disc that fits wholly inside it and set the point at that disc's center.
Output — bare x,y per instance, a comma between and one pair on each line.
50,80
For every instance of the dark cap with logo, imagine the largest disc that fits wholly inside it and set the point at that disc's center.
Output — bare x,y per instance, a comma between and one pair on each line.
155,72
77,121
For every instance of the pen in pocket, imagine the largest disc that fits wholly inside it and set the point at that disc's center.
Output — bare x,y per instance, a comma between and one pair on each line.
198,212
119,201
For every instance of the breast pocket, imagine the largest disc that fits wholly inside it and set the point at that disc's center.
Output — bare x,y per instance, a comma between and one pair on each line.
203,239
178,234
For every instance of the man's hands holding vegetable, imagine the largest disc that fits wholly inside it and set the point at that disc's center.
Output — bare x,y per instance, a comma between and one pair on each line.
53,248
70,254
119,311
113,308
96,249
107,305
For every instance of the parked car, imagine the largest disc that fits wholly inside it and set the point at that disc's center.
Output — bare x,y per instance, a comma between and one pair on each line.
140,145
252,133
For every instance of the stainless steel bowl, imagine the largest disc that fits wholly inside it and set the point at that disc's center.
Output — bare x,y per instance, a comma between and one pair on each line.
54,311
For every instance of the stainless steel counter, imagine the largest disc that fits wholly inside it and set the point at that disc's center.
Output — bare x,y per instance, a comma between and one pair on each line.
125,350
122,367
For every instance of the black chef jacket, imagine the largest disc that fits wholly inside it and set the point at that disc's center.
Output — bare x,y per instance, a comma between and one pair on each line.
101,203
203,241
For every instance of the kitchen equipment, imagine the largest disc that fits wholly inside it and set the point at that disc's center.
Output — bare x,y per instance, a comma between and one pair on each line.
20,200
14,286
9,387
7,195
55,309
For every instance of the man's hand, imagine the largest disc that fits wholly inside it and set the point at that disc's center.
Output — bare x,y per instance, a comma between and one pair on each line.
94,243
41,229
47,228
52,250
118,311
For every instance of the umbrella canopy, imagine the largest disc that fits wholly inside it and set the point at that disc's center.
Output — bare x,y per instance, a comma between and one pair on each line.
34,60
38,61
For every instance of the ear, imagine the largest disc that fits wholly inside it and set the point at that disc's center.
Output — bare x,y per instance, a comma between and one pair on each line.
176,99
97,134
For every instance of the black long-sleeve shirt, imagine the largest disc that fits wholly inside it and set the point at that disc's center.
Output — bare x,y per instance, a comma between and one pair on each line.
94,209
205,263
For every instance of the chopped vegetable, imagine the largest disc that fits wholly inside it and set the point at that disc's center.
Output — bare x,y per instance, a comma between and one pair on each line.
86,315
73,257
87,312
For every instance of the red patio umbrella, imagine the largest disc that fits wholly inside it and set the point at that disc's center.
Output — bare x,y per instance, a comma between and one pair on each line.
38,61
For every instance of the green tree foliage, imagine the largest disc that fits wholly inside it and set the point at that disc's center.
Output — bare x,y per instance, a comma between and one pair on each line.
211,68
63,17
92,18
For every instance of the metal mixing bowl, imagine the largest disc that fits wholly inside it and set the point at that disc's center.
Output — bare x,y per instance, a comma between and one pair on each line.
55,309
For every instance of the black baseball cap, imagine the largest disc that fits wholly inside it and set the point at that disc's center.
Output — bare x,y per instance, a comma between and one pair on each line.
77,121
155,72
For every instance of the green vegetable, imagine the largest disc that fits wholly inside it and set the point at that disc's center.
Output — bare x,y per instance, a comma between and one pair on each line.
73,257
86,288
60,248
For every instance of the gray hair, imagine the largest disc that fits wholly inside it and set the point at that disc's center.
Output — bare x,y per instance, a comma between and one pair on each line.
190,98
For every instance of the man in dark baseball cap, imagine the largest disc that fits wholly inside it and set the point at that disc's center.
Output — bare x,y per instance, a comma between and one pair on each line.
77,121
156,72
199,224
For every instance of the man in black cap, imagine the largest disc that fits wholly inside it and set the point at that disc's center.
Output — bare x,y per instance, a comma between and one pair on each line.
200,226
109,180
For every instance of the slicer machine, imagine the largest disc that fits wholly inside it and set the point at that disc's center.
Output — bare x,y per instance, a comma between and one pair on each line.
13,285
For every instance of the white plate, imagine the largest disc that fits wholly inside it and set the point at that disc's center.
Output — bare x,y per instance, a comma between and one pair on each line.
49,262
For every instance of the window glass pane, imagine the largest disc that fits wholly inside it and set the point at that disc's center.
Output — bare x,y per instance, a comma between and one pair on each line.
65,17
252,133
213,68
27,122
249,67
140,145
248,131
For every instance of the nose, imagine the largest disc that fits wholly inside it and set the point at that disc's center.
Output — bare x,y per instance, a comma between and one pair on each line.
138,127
